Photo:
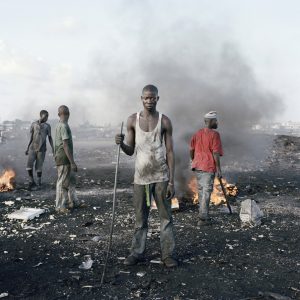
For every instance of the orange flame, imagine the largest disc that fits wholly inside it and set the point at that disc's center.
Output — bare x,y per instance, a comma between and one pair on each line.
217,196
7,180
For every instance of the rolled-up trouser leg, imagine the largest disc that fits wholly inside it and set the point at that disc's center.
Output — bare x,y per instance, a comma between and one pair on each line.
62,185
167,240
205,184
73,200
141,223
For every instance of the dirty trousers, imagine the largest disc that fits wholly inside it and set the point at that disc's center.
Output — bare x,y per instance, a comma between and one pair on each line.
37,157
167,240
65,187
205,188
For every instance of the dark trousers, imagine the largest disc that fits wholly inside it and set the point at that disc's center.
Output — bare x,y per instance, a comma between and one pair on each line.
167,240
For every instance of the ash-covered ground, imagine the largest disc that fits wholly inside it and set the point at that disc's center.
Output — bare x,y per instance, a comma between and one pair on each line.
40,259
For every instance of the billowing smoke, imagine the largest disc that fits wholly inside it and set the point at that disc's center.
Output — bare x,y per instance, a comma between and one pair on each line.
194,74
196,69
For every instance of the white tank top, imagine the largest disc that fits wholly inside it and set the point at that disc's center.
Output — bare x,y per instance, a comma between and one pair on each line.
150,164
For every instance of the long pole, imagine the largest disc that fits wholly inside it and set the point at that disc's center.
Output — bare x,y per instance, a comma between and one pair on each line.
113,212
225,195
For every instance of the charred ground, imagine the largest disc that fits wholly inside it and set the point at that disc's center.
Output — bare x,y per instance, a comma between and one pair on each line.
223,261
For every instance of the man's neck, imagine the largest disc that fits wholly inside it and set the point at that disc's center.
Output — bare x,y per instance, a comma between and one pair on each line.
149,113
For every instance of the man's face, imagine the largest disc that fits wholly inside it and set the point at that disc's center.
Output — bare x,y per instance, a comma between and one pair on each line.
150,100
44,118
214,123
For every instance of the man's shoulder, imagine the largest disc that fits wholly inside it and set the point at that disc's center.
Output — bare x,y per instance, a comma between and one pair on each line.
199,131
132,119
34,123
165,118
63,125
166,121
215,132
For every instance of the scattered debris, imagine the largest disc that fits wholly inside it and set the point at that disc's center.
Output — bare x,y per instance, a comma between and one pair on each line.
141,274
250,213
96,238
2,295
26,213
87,263
273,296
37,265
156,261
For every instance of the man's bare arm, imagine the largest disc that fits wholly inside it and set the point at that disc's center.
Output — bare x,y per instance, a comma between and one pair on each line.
168,135
69,155
51,142
218,164
129,147
30,141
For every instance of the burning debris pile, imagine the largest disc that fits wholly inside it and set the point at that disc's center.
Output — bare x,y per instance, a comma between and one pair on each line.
217,196
7,180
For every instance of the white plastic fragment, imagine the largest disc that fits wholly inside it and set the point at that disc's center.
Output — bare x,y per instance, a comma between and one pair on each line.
87,264
37,265
9,203
96,238
26,213
155,261
250,213
2,295
141,274
124,272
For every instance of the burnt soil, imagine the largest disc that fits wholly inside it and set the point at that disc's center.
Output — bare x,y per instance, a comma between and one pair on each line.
223,261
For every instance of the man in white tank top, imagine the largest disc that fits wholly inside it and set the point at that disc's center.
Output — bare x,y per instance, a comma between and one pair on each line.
149,136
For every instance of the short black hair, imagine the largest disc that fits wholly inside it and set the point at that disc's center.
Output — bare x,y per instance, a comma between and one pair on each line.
150,88
63,109
42,112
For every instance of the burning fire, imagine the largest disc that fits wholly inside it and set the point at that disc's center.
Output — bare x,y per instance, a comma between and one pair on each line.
217,196
7,180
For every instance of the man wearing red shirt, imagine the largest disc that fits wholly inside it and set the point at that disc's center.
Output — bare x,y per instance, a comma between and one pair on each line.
205,152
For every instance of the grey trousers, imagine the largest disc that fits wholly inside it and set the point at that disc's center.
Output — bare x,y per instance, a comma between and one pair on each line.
65,188
35,157
205,187
167,240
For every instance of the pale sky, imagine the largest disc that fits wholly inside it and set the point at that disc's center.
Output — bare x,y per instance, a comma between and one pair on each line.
49,50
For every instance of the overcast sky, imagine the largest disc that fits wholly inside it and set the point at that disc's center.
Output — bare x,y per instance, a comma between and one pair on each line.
49,49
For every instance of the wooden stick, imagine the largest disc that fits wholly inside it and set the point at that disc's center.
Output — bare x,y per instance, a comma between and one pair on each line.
113,212
225,195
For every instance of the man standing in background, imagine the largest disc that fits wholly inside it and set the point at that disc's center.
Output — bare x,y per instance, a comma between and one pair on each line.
36,149
63,151
150,137
205,152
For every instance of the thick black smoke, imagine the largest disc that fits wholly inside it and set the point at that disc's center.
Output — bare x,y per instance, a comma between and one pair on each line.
194,74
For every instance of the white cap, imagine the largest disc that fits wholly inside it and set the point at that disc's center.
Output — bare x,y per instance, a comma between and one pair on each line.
211,115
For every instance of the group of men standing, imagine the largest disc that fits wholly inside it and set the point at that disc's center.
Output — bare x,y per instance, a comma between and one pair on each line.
62,149
149,136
